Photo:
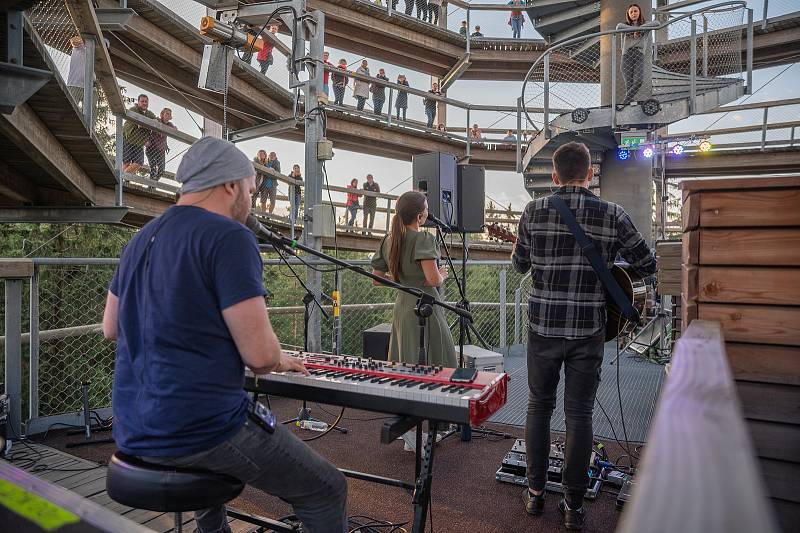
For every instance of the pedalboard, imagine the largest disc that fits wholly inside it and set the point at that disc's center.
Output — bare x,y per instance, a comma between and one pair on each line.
514,469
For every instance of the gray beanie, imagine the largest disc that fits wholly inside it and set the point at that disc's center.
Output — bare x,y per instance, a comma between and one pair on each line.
210,162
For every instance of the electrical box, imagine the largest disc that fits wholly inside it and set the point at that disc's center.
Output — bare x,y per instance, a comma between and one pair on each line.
323,220
324,150
215,68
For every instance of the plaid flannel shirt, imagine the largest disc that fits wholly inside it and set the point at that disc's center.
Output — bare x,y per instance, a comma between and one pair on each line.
567,298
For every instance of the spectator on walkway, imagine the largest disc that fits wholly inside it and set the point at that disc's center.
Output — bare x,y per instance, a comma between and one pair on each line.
430,104
370,203
477,32
157,146
441,128
360,87
261,181
325,56
402,97
517,19
510,136
271,187
463,29
77,69
352,203
264,56
379,93
475,132
298,191
422,10
134,137
434,8
339,83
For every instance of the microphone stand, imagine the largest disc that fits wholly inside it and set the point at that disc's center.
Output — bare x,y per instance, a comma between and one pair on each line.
305,413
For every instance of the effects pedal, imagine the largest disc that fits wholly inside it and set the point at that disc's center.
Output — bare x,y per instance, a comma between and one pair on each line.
625,493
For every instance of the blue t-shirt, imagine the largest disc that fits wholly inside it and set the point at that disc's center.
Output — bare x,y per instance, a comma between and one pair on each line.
178,379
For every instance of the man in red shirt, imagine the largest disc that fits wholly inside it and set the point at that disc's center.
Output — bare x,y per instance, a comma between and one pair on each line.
352,204
264,56
325,88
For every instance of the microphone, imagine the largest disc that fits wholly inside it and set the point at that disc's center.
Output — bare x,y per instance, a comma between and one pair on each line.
438,222
263,233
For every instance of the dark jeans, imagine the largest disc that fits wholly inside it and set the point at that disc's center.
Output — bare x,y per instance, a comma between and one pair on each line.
338,94
433,14
422,9
633,72
409,7
361,101
431,114
352,211
582,360
377,103
403,109
265,64
279,464
156,159
369,213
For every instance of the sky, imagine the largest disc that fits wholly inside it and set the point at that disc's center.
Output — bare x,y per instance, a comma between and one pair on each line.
504,188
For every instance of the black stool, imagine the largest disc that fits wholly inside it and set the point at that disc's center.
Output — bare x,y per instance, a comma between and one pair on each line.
135,483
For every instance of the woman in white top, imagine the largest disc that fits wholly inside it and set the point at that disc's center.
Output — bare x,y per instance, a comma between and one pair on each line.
361,88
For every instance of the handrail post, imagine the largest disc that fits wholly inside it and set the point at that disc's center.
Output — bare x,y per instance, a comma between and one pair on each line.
764,15
517,303
88,81
469,141
705,46
13,352
503,311
389,111
468,34
520,103
546,96
33,347
388,213
749,88
693,68
118,160
614,80
764,129
292,210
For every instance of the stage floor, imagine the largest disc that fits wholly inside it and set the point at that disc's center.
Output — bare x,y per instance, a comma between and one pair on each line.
639,383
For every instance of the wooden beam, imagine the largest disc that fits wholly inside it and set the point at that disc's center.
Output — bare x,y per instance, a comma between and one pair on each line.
84,17
698,428
755,323
749,247
764,363
15,186
29,133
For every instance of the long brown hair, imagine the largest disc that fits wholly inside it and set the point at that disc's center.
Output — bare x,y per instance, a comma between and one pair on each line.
639,21
408,206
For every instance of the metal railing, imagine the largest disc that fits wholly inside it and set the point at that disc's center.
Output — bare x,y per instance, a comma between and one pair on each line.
53,342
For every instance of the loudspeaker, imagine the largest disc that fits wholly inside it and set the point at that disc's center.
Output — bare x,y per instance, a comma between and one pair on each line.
376,341
471,187
434,174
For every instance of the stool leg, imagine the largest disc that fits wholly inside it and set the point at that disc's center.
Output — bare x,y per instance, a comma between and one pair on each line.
178,523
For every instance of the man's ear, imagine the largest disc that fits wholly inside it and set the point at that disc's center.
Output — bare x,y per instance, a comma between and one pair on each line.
590,174
554,177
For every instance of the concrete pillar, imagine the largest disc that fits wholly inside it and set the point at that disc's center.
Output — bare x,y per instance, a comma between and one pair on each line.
612,12
630,184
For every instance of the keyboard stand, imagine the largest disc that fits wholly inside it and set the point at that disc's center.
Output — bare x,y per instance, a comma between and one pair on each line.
421,489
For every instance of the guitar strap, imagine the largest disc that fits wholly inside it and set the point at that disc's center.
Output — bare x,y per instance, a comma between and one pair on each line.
589,249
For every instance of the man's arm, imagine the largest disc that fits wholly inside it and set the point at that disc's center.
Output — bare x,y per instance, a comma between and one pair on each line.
110,317
633,248
248,322
521,255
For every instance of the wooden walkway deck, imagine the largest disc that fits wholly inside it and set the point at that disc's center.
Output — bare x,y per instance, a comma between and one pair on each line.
88,479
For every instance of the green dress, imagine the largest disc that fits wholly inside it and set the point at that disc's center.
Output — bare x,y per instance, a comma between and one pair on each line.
404,342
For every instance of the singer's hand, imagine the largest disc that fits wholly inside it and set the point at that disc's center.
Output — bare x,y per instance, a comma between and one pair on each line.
291,364
443,272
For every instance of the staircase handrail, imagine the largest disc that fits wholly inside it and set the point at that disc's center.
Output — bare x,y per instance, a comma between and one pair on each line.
650,26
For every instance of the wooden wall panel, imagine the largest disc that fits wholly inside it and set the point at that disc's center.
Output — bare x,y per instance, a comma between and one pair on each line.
769,286
755,323
775,441
734,209
757,247
769,402
764,363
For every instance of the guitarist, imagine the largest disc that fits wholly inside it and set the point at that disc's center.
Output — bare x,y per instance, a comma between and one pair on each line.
567,315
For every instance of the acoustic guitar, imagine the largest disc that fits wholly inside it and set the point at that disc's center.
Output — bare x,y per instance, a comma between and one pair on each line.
634,289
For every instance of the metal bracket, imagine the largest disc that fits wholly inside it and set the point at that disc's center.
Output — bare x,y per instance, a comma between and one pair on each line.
396,427
228,16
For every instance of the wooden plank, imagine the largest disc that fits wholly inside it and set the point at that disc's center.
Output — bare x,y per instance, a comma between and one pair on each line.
781,479
91,487
768,286
758,247
764,363
689,283
775,441
16,268
102,498
755,323
74,482
697,444
688,312
788,514
668,262
669,276
739,184
770,402
690,251
671,289
690,212
734,209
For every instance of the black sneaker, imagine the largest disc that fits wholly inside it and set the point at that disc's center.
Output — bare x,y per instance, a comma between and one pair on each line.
573,518
534,505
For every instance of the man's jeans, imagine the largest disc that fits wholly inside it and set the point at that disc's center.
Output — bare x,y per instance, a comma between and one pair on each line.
582,359
279,464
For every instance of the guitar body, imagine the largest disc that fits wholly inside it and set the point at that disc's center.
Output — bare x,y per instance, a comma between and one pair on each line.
635,290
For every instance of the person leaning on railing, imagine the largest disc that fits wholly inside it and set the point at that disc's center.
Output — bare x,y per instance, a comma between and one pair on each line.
401,104
157,146
361,87
430,104
634,46
379,92
339,83
135,137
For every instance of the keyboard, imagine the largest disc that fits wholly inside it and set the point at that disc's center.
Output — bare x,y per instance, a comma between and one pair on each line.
421,391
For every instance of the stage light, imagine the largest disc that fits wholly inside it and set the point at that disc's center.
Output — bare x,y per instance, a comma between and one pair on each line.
677,149
650,107
648,152
580,115
705,145
623,154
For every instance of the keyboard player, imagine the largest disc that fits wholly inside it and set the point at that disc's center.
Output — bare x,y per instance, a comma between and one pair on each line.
186,307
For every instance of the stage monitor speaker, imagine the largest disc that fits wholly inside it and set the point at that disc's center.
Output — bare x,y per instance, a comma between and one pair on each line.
434,174
376,341
471,187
